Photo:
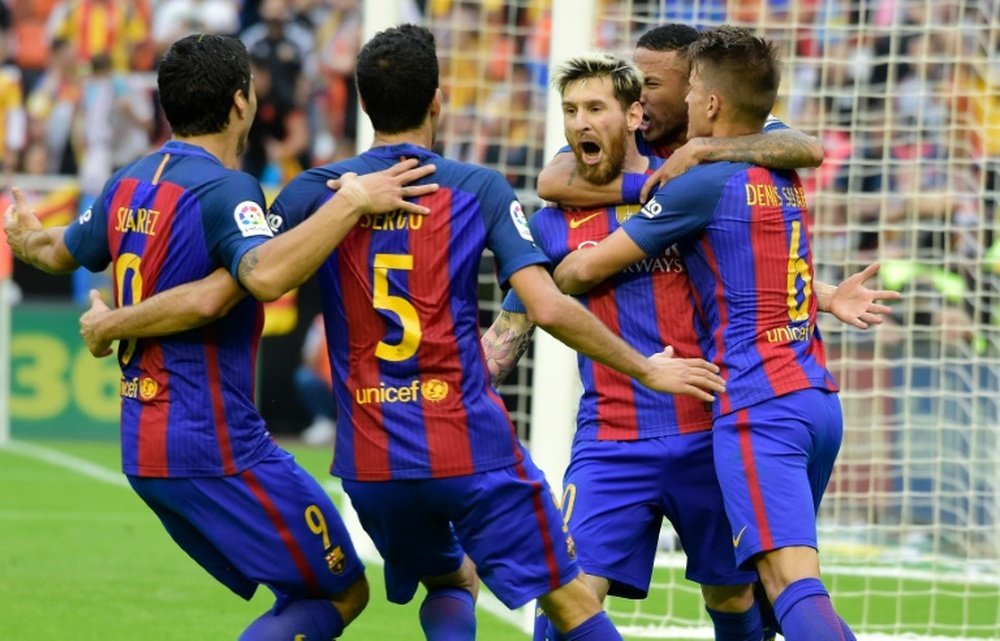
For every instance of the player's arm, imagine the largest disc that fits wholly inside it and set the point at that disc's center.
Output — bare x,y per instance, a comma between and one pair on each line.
175,310
41,247
568,321
853,303
507,339
285,262
559,182
778,148
586,268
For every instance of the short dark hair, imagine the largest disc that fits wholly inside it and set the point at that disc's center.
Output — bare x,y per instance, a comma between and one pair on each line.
669,37
197,79
741,65
397,73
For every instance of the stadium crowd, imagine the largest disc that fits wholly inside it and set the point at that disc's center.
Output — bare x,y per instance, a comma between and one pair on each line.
907,108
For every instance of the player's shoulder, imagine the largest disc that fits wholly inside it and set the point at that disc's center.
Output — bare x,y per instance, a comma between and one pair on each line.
468,176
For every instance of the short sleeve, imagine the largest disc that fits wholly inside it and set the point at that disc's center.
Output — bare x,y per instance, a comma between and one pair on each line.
682,207
507,232
232,212
87,237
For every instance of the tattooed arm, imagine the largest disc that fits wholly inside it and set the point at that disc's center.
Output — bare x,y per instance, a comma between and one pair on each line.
779,149
559,182
504,343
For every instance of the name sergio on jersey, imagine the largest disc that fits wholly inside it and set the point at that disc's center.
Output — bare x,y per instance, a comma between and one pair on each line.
391,221
139,220
433,390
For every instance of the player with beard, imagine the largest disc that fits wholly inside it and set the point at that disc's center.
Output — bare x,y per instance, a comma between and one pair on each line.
638,456
744,232
661,56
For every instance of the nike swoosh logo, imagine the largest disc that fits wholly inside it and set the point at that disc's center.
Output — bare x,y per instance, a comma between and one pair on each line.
576,222
736,539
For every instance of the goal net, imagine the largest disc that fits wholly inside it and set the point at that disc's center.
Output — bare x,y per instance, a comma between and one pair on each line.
905,95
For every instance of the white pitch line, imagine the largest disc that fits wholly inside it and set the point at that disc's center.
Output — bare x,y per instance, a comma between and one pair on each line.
66,461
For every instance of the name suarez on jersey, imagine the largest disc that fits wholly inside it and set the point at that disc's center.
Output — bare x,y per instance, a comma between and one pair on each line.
139,220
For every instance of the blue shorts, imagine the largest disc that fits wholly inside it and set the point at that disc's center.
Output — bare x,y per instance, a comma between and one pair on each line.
774,460
506,520
271,524
617,494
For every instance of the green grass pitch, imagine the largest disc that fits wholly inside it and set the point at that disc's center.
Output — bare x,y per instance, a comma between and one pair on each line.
84,559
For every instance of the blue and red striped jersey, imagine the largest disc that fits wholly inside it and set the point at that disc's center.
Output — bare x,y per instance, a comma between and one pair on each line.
649,305
400,303
745,239
170,218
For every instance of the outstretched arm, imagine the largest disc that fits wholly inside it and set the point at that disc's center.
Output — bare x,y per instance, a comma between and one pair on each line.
40,247
779,149
176,310
853,303
285,262
505,342
568,321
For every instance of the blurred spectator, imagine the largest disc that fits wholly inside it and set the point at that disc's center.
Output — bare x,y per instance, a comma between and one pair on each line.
116,29
335,103
13,123
314,387
174,19
285,48
31,38
52,107
278,143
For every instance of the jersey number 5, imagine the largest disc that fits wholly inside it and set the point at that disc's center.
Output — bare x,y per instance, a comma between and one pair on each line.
799,279
381,299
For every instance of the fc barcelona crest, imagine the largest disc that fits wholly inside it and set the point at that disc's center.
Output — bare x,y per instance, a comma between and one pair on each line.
335,560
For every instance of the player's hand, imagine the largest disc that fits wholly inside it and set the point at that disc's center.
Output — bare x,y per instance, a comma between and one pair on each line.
386,190
683,158
89,323
856,305
688,376
20,222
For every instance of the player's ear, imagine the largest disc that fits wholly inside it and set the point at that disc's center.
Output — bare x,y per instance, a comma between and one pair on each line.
714,106
633,116
241,103
436,102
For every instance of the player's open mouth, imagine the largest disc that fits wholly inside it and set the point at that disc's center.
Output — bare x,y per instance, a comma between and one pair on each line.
644,125
590,152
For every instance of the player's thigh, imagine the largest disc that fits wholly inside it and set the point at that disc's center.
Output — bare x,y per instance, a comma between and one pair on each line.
273,522
692,501
827,436
762,456
158,495
509,524
611,503
414,539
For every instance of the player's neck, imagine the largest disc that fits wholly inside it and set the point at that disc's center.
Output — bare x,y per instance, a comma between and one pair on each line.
422,136
219,145
634,161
